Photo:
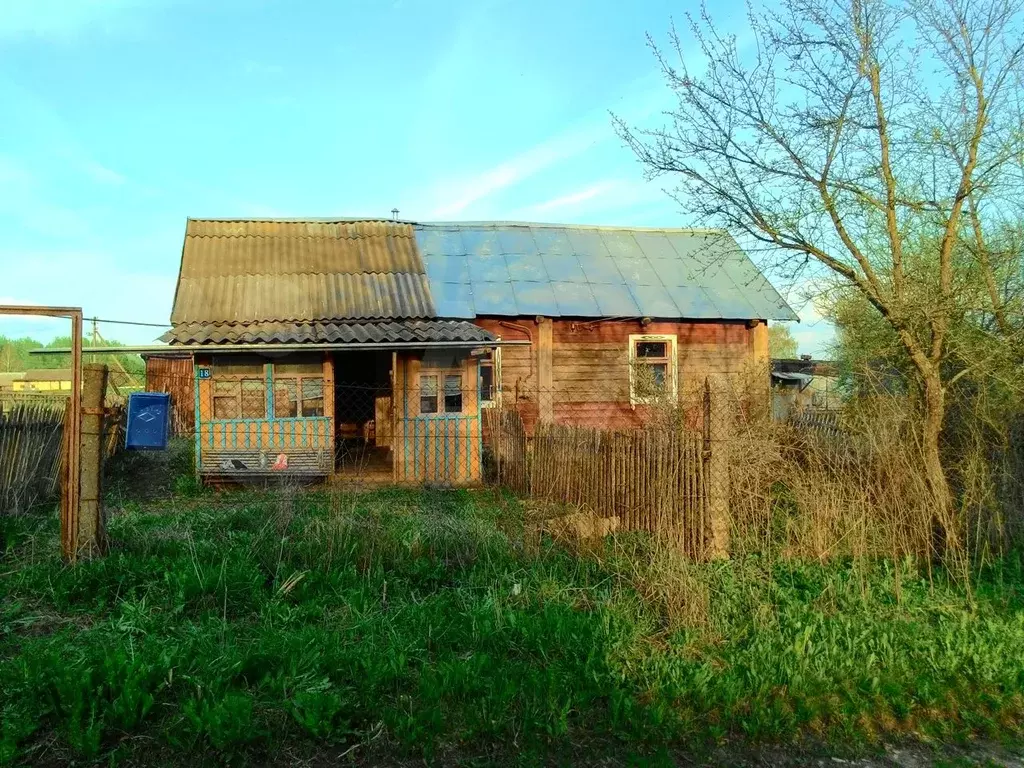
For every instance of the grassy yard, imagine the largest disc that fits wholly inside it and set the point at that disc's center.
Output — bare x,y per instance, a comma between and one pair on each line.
242,627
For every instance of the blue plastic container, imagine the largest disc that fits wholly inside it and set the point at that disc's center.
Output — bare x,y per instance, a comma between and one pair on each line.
149,419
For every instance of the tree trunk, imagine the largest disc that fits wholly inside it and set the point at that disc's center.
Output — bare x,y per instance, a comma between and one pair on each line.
946,535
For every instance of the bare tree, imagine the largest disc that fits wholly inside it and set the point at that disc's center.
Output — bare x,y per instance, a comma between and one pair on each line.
841,130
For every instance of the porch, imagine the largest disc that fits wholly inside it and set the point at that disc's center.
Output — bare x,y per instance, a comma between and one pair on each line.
373,417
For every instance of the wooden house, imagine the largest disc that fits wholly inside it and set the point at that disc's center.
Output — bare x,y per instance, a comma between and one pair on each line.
337,346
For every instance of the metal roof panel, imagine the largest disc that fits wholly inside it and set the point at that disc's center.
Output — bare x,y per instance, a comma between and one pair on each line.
453,299
524,266
615,301
442,268
655,301
488,268
575,299
533,298
552,242
517,240
693,302
494,299
444,242
563,267
601,269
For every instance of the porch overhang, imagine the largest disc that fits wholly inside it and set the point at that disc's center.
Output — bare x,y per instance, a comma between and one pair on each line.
160,349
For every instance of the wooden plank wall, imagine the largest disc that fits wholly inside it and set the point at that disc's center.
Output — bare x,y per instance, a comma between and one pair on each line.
175,376
582,376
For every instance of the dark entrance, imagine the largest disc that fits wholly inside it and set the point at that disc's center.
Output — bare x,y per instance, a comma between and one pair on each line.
362,414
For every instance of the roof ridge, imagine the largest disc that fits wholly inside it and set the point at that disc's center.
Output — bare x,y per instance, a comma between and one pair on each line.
419,223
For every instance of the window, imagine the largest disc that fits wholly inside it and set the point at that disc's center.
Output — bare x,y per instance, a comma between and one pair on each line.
447,401
313,396
490,378
428,394
239,399
453,394
298,395
652,371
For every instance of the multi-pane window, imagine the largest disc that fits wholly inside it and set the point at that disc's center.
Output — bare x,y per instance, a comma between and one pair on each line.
240,388
652,374
440,393
298,388
298,396
242,398
428,394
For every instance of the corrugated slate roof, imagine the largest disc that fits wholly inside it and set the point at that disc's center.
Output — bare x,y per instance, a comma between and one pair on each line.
409,331
279,271
306,278
513,269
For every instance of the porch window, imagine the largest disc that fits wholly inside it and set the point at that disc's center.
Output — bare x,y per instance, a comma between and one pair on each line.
434,401
239,399
453,394
652,370
298,395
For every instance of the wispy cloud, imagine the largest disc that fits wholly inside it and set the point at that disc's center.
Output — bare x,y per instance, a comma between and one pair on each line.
573,199
615,198
100,173
459,194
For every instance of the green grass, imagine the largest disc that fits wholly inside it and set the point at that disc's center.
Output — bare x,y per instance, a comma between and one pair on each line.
233,627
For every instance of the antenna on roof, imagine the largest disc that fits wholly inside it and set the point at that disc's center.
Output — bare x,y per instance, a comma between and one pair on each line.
394,214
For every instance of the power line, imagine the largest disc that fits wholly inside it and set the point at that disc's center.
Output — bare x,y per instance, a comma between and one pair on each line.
129,322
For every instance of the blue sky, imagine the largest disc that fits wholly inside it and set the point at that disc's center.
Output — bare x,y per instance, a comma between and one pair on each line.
120,118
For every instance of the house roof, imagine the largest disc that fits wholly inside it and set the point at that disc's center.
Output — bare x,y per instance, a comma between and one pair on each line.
315,273
332,333
281,271
558,270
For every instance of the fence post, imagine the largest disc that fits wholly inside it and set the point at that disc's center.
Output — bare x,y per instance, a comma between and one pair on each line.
716,462
92,523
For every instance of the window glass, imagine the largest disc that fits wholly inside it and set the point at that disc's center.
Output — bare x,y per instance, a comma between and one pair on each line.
286,398
312,396
225,399
453,394
254,399
486,381
652,349
428,394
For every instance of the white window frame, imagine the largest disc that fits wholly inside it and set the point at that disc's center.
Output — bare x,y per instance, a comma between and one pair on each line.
671,375
496,379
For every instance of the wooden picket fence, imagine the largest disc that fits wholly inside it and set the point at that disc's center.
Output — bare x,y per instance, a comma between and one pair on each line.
650,480
31,451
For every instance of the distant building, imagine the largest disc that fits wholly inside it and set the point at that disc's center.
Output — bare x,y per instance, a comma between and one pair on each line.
7,381
804,384
48,380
